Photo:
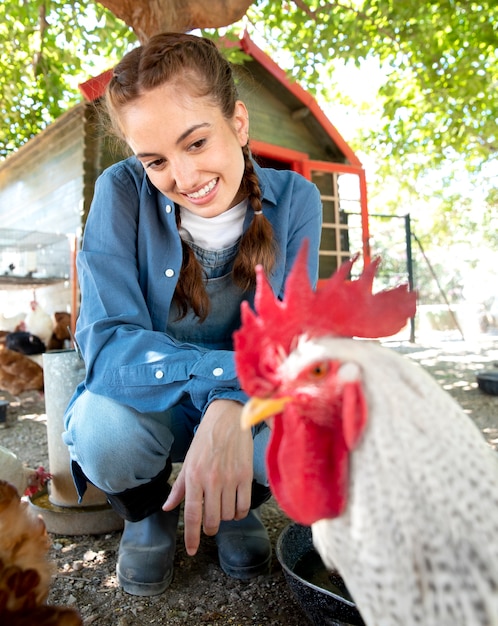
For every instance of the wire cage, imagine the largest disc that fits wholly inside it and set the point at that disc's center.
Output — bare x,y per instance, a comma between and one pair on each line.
30,257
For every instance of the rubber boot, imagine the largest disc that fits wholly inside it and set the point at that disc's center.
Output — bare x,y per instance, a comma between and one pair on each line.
244,548
147,548
146,553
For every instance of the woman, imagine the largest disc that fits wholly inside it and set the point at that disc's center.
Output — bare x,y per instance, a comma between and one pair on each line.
170,248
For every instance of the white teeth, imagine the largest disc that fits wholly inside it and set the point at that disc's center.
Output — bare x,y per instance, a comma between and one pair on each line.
204,191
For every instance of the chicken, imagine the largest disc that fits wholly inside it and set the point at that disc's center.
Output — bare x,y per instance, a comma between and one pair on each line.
27,481
12,323
19,373
25,571
25,343
396,481
38,322
60,331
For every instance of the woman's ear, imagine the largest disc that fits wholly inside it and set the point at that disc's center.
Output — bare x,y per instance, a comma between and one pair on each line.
241,122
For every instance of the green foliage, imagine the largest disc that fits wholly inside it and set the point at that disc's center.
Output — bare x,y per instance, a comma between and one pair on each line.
439,97
47,47
440,58
435,114
429,136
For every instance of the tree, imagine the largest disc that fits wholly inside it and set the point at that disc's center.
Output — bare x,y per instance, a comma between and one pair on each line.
431,132
440,58
46,48
439,99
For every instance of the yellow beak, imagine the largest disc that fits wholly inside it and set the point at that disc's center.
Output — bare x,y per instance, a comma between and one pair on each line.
258,409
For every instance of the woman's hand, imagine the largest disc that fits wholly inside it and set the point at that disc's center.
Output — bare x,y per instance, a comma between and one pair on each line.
216,477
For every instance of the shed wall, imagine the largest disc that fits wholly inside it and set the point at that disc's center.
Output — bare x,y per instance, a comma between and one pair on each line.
41,186
271,119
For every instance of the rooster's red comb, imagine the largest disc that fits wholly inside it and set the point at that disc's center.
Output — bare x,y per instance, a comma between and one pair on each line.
340,307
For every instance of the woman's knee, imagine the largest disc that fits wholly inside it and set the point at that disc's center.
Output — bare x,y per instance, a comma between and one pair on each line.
117,447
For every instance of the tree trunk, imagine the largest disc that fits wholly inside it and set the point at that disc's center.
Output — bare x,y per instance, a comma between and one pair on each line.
151,17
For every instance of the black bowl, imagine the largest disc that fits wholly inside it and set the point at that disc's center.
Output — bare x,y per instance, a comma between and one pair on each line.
487,381
321,594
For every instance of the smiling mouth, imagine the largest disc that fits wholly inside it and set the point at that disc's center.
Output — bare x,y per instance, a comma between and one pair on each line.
203,191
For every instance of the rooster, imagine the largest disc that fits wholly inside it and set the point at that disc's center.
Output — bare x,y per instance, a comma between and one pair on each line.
398,485
25,572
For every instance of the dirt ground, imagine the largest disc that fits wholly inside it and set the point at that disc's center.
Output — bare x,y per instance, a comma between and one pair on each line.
201,594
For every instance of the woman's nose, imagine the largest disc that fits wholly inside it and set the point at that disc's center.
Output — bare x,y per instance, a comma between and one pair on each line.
184,174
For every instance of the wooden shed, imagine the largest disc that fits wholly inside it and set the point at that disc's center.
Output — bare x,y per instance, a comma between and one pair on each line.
46,187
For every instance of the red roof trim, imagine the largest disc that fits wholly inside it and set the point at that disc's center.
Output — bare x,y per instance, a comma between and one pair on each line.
277,152
94,88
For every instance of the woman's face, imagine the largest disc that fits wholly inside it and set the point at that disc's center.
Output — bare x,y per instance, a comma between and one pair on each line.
190,152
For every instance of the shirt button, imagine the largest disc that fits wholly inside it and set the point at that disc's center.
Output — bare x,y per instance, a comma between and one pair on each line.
159,374
218,371
169,273
168,208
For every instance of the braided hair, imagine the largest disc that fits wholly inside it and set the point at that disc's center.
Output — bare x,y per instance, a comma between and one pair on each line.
197,64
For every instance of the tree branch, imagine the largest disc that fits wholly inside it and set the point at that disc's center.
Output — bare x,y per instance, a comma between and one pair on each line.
150,17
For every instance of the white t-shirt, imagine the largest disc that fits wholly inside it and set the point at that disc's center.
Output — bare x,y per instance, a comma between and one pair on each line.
213,233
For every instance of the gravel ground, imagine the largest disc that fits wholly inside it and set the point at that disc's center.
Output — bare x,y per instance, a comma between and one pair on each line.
201,593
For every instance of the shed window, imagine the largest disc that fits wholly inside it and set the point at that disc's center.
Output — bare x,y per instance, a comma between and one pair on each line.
335,243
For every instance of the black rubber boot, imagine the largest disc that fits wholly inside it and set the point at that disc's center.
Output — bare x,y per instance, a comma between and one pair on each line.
244,548
146,553
147,548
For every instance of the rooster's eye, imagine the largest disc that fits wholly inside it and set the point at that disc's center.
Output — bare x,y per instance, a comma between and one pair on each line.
319,370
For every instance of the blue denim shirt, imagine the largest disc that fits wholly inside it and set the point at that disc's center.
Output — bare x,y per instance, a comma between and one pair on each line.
128,268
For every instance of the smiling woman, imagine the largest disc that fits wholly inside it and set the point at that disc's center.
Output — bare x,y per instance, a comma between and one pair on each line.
170,251
201,167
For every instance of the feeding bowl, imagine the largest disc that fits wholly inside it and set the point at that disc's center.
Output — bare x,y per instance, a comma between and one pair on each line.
321,594
487,381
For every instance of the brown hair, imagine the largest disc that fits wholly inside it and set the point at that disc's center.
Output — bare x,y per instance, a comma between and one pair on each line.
180,57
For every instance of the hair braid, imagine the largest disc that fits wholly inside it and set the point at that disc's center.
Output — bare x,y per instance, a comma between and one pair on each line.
257,246
190,288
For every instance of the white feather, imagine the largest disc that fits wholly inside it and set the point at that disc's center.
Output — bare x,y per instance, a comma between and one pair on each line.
418,542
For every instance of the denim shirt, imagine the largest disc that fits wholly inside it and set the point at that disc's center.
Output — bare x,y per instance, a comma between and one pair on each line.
128,268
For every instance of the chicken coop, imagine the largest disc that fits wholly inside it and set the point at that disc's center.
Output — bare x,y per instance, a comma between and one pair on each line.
46,187
29,257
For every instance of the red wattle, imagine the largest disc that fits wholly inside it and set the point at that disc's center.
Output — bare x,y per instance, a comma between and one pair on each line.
307,468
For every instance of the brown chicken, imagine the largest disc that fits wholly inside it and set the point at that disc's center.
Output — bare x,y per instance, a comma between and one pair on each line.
18,372
25,571
60,333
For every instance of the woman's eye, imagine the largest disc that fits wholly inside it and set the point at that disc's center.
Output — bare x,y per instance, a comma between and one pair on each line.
155,164
197,144
319,370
